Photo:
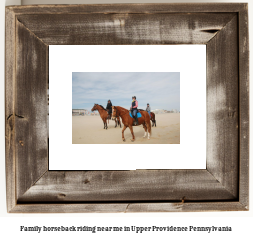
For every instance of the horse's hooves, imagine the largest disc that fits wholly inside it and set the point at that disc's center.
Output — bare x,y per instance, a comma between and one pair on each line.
132,140
124,139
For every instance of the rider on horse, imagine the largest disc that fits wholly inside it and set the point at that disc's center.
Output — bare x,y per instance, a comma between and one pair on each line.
109,107
134,106
148,109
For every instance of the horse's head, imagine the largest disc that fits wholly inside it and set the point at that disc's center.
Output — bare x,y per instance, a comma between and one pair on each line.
114,112
94,107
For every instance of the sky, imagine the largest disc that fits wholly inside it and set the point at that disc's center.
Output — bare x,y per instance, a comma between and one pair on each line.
160,90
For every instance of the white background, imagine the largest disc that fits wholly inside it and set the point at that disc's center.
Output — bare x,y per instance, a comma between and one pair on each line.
190,61
241,221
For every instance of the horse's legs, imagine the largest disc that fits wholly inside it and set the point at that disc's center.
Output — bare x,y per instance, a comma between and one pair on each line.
105,124
116,122
124,128
154,120
131,129
119,122
149,129
145,128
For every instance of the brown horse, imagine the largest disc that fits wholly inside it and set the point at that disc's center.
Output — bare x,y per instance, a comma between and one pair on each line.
104,115
152,117
128,121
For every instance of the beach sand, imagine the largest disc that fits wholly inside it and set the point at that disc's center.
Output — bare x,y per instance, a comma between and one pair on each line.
89,130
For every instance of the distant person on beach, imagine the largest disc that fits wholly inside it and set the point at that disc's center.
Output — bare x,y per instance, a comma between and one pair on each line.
109,107
134,108
148,109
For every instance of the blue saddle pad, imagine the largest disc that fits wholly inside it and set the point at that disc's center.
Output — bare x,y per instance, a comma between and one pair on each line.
138,114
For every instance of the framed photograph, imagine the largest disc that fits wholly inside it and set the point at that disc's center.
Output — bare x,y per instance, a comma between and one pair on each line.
188,64
91,82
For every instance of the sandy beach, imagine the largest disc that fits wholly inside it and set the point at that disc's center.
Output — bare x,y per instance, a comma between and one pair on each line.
89,130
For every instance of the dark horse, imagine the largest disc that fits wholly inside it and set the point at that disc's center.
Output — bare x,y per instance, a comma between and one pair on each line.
128,121
104,115
152,117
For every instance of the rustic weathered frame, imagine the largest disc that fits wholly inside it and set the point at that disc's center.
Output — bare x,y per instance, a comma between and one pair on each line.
222,186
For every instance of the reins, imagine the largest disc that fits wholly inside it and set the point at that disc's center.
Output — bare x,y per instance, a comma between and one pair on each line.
125,113
122,114
101,109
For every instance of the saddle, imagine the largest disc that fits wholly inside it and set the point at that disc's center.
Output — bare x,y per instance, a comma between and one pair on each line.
138,114
136,118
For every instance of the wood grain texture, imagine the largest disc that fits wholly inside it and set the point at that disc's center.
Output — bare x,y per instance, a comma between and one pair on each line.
244,106
129,8
30,108
9,109
120,29
139,185
186,207
223,107
223,186
128,207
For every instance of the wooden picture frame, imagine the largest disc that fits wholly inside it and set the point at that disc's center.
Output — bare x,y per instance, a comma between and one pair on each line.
222,186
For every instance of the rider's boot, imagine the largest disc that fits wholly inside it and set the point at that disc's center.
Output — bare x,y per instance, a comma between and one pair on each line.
136,120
